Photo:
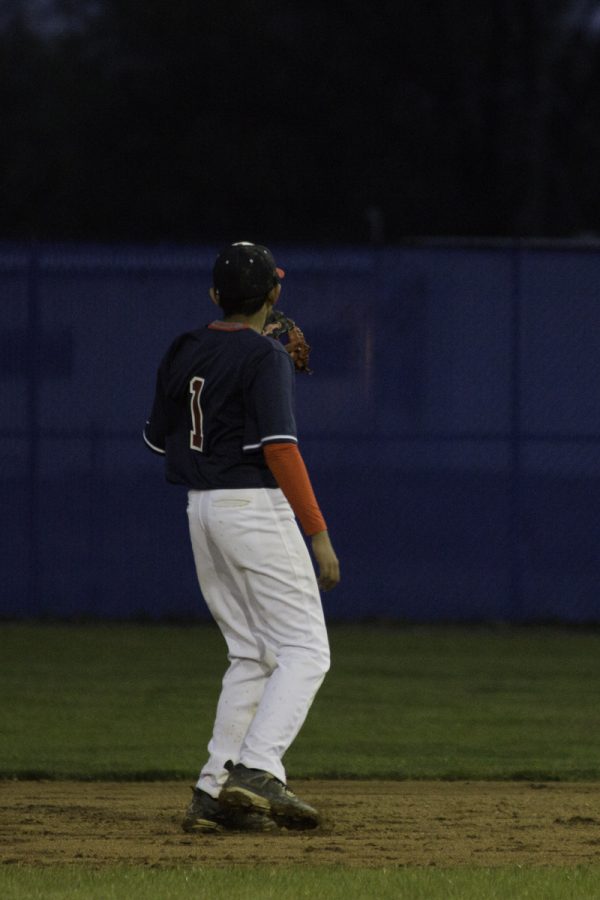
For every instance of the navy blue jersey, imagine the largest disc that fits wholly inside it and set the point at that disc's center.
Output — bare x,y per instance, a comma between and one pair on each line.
222,392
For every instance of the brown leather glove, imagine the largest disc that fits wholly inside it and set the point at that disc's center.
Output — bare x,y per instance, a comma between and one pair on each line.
276,326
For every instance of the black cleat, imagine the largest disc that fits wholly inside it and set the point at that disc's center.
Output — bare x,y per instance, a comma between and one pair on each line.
254,789
205,815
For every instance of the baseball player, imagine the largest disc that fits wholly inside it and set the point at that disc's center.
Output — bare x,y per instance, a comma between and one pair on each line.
223,417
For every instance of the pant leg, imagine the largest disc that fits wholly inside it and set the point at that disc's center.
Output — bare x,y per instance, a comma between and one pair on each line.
258,580
241,691
251,662
278,608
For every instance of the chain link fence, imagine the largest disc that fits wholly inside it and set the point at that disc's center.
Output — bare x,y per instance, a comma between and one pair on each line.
451,428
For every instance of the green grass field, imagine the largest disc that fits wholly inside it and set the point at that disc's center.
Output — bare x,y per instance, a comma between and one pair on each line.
136,702
281,884
132,701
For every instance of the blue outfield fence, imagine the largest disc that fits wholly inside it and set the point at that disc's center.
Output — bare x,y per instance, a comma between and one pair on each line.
451,428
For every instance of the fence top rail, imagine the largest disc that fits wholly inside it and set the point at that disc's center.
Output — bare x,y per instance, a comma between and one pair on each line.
168,258
68,257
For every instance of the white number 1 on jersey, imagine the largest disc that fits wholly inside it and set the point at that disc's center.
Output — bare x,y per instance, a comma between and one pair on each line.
196,434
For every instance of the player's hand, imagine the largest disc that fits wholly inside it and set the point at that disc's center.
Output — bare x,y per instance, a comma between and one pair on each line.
327,561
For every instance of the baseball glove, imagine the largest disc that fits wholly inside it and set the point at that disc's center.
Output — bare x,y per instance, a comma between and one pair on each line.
276,326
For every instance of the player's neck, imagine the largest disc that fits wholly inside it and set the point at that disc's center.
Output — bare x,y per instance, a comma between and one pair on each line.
255,321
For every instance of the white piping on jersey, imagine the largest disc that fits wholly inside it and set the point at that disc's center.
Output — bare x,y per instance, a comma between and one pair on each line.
271,437
152,447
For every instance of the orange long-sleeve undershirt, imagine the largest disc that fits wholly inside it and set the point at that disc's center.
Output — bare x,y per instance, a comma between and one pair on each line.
286,463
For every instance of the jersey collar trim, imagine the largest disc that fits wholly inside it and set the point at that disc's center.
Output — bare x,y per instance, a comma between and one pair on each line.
227,326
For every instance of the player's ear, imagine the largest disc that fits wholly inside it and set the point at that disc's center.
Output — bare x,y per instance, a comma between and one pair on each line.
214,296
273,295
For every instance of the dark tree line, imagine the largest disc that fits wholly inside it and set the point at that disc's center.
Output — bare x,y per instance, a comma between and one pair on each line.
187,120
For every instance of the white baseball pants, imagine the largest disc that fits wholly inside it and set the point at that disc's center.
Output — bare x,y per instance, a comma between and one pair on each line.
258,581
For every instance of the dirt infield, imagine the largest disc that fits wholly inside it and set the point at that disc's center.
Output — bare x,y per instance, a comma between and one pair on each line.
369,824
